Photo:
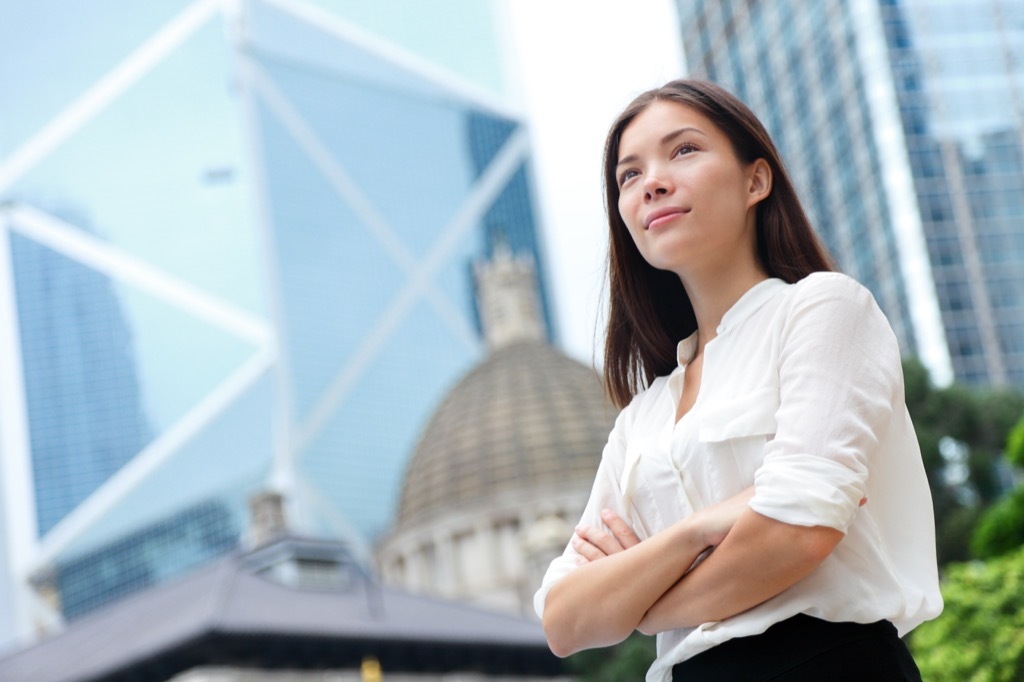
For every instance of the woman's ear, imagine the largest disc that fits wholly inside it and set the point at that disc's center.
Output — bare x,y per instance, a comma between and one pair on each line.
760,181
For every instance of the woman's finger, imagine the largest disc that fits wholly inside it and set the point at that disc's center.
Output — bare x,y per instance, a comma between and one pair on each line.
597,537
620,529
586,549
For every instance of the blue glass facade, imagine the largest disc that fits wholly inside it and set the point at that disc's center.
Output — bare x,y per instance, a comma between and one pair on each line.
509,220
162,550
814,71
794,64
78,344
960,81
267,277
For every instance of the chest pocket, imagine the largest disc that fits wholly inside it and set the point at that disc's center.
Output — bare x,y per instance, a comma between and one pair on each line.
741,427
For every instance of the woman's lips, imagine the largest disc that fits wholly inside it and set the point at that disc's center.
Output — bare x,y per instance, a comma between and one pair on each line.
662,216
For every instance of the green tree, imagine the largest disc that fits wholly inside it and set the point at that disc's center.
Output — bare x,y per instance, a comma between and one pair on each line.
628,660
962,432
1001,528
1015,444
980,635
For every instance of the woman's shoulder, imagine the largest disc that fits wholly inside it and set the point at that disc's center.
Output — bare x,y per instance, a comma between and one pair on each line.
838,303
638,416
833,288
645,400
649,395
829,283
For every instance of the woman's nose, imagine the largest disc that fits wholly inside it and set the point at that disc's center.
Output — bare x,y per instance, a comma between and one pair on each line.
654,185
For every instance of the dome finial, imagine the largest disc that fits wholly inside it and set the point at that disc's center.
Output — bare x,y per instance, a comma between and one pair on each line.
508,299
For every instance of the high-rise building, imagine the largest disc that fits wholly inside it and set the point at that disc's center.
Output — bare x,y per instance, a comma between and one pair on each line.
958,67
265,278
902,122
76,343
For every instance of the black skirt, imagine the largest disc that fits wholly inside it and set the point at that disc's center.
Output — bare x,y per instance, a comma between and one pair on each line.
806,649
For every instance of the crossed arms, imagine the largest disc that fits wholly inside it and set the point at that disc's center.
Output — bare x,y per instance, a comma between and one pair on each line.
839,383
624,584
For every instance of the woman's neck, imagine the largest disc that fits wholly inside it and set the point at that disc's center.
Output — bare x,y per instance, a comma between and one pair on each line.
712,295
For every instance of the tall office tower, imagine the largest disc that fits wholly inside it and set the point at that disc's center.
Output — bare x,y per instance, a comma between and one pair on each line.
76,343
902,122
958,67
265,282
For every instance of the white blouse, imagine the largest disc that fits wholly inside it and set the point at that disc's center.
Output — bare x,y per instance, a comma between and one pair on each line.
801,396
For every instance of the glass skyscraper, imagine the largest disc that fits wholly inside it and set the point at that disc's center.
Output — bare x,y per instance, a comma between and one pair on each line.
958,67
902,122
77,343
236,246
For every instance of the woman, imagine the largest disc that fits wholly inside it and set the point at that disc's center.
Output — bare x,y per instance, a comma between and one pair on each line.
763,419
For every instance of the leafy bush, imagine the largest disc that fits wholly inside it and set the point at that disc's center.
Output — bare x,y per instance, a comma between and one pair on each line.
980,635
627,660
1001,528
979,420
1015,444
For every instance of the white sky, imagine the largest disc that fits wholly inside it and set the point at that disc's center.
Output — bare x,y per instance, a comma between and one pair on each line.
579,62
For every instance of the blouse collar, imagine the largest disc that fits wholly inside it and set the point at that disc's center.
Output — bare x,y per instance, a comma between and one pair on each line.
747,305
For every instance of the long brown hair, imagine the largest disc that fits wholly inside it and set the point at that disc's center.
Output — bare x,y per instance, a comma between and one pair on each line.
649,311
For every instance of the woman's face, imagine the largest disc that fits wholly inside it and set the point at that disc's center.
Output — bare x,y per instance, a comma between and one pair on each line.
688,201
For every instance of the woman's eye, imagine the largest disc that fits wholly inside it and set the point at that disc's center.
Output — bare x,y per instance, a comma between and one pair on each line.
685,149
627,176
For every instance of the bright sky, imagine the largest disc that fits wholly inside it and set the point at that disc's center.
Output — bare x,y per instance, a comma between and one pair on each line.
579,63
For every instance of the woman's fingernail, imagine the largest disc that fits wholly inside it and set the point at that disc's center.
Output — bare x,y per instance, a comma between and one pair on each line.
606,513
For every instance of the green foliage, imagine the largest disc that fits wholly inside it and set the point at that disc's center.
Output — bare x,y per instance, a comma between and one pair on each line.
628,660
1015,444
954,534
980,635
979,420
1001,529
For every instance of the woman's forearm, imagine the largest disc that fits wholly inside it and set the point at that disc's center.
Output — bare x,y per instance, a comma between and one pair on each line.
759,558
603,601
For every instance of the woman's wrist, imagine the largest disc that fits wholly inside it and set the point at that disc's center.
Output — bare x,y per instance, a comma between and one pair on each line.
713,523
690,536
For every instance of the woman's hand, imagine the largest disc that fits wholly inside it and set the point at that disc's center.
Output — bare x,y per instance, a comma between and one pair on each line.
595,543
604,600
713,524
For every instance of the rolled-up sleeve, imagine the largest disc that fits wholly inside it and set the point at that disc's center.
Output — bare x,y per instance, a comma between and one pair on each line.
839,375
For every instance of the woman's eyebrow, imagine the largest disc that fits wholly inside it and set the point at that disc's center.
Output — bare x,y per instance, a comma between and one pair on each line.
664,140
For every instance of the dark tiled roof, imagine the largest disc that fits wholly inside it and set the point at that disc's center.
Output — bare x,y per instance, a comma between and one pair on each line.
226,603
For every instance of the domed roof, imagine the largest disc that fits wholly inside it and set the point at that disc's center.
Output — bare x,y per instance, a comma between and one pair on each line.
528,418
